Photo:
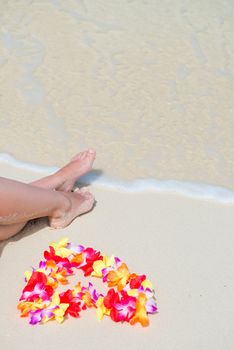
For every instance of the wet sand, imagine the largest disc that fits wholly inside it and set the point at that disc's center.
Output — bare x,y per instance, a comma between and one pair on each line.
149,85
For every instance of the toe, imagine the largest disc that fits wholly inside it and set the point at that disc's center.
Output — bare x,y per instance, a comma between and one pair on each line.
85,194
79,156
92,151
82,155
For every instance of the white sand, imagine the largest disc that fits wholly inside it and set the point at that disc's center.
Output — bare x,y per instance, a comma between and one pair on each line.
184,245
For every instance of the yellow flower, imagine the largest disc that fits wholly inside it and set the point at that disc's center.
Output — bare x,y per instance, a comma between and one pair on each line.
27,275
60,248
102,264
60,276
60,311
101,309
132,292
147,284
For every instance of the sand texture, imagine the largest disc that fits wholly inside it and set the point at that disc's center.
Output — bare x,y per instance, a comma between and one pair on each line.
148,84
185,246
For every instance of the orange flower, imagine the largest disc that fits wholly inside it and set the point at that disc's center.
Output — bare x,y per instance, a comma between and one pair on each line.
26,306
76,289
87,299
77,259
56,275
119,277
141,313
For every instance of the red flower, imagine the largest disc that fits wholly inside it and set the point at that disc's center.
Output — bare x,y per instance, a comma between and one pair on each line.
123,310
111,298
135,281
74,304
36,277
66,297
60,262
74,309
91,256
36,287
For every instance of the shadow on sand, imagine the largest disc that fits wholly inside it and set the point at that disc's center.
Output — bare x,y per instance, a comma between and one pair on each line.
31,227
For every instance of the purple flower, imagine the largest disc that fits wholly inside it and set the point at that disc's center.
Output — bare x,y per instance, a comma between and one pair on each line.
151,306
37,315
77,249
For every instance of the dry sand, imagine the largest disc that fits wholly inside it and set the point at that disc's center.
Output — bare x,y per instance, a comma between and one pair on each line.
184,245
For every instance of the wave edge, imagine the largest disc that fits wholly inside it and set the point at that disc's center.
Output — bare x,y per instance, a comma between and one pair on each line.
187,188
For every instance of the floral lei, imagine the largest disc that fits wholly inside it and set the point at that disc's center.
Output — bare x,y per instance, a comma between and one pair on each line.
130,297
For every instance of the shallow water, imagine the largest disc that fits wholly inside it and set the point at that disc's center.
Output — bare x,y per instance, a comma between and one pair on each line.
148,85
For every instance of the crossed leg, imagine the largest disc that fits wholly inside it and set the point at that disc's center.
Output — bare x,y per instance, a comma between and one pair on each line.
22,202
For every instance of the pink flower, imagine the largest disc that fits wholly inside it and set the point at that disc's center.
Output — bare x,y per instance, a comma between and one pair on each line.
37,288
39,291
124,310
90,255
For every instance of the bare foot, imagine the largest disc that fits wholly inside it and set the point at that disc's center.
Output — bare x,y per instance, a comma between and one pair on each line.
78,166
81,202
64,179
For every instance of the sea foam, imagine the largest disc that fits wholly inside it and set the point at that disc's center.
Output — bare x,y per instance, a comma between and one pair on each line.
186,188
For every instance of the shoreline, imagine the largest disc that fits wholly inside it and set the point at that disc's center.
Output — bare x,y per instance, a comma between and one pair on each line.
185,188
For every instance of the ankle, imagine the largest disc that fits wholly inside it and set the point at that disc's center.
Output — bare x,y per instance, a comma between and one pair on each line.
64,205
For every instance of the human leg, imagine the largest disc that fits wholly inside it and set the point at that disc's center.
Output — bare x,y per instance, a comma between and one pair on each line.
64,180
22,202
